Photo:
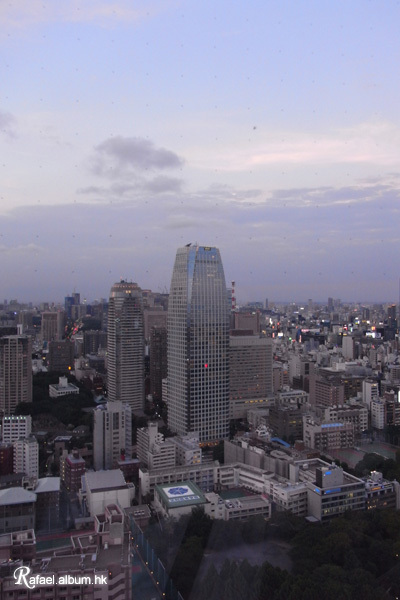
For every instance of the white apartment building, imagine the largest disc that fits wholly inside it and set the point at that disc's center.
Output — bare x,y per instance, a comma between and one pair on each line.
370,391
378,414
153,451
112,434
26,456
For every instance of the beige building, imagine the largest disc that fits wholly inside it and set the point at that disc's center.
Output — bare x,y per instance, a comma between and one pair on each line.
327,436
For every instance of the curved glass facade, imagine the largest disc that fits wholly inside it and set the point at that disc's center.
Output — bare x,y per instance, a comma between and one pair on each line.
198,345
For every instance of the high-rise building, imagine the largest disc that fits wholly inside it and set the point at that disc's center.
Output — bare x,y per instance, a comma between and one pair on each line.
52,326
158,360
112,434
15,371
250,373
125,345
198,345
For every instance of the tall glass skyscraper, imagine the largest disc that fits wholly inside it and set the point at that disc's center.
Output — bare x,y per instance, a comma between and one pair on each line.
125,345
198,345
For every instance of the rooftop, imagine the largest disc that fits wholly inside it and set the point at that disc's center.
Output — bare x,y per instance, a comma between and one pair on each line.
16,495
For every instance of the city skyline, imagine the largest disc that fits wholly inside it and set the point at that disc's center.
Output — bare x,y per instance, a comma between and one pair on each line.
271,131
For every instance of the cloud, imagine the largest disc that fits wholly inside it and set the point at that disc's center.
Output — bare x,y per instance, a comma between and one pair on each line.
127,156
23,13
7,123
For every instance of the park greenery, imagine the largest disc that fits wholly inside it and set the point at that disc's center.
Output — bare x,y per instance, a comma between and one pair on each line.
67,409
354,557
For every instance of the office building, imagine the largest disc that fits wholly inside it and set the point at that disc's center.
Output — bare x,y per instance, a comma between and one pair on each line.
61,356
52,326
198,345
15,371
112,434
125,345
250,372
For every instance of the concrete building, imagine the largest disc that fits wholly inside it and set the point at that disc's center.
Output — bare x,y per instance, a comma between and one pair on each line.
381,493
19,545
96,566
327,436
94,341
72,468
357,414
105,487
112,434
286,421
334,492
378,414
17,509
125,345
26,456
47,492
247,321
179,499
328,392
62,388
198,345
15,371
52,326
153,451
188,450
14,427
61,356
348,347
250,372
6,458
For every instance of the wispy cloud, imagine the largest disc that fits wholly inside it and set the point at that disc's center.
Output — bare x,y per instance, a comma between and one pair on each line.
8,124
372,142
23,13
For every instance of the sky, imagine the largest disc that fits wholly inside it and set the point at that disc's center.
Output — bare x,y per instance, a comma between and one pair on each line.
129,128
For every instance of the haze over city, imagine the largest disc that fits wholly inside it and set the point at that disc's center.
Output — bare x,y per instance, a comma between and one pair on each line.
270,130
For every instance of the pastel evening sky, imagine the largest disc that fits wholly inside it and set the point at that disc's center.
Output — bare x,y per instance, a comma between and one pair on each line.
270,129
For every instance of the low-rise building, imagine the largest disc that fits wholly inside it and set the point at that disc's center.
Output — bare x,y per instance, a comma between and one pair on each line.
62,388
327,436
17,509
332,492
100,488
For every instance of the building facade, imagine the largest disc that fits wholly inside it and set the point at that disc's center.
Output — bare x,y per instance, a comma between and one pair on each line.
125,345
15,371
198,345
112,434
